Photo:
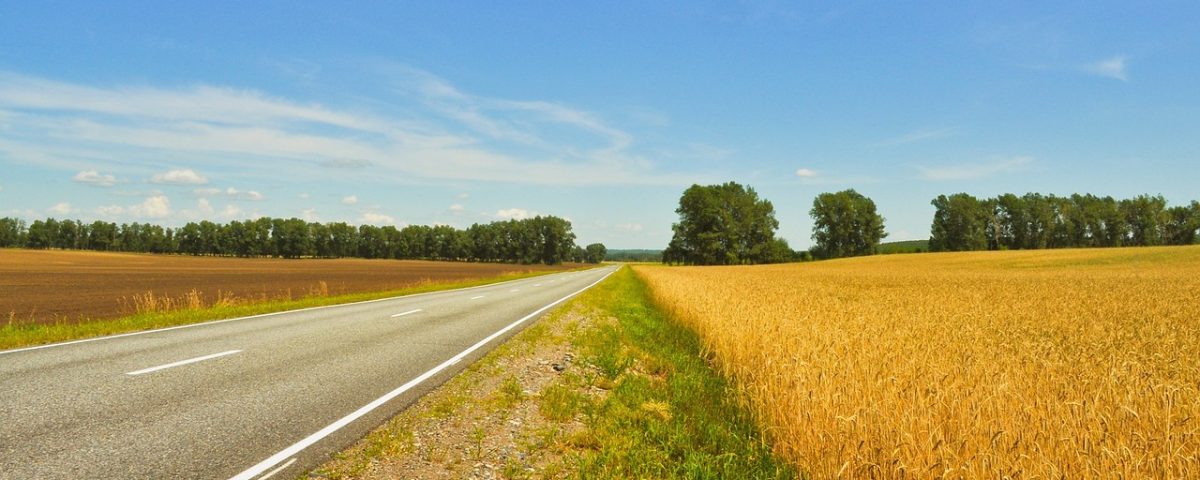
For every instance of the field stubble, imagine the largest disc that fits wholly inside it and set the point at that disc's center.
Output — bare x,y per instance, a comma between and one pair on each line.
1051,364
56,286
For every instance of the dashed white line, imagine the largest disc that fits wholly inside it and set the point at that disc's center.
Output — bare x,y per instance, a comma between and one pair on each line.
308,441
410,312
515,290
537,284
478,297
181,362
277,470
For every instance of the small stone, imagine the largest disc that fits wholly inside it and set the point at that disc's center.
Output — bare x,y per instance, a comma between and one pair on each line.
558,367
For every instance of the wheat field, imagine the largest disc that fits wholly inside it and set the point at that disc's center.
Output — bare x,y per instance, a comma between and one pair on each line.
1029,364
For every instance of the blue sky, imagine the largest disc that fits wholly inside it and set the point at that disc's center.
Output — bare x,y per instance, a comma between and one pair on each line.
463,112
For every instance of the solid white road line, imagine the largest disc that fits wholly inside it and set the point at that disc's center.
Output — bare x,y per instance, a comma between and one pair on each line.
277,470
308,441
182,362
410,312
478,297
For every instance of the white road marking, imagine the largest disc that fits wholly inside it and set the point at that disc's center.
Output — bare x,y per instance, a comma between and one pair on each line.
308,441
537,284
281,312
277,470
182,362
410,312
515,290
478,297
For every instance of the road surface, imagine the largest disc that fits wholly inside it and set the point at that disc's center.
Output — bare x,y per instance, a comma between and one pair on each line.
265,396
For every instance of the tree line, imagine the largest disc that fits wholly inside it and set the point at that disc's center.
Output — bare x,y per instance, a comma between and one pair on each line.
1033,221
729,224
542,239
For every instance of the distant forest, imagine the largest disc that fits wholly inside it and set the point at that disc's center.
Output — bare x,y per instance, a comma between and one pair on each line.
634,255
1033,221
540,239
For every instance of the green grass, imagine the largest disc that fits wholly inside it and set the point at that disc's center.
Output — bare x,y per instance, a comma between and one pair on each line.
668,415
15,334
638,401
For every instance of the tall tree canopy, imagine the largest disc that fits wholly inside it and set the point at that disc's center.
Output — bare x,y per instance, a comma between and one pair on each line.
845,224
724,224
1034,221
960,223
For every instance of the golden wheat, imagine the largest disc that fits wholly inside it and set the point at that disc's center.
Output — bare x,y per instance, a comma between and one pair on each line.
1046,364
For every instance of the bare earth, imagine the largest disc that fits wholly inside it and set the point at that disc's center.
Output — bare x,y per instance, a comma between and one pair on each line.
54,285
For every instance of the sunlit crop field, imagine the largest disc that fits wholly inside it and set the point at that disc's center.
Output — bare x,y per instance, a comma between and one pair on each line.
1032,364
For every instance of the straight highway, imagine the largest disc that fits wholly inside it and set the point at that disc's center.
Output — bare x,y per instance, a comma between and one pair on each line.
249,398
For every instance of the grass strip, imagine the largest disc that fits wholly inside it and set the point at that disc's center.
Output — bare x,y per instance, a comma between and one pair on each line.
16,334
638,401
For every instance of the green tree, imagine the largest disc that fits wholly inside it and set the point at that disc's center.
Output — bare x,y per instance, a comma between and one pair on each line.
723,224
960,223
595,253
845,224
12,232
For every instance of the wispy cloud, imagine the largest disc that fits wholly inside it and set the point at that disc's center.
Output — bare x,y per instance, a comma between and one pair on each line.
1112,67
916,136
350,200
806,173
975,170
441,133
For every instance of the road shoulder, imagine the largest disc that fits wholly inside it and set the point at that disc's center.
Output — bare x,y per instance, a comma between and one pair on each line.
604,387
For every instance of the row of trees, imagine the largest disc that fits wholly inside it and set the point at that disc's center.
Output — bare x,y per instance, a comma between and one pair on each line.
728,224
1033,221
540,239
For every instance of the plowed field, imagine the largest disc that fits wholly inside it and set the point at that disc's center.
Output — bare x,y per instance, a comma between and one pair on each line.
49,285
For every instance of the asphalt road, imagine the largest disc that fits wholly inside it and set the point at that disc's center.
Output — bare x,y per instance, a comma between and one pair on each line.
271,395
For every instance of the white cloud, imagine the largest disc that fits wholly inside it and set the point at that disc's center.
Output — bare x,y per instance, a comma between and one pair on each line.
464,196
456,208
309,215
377,218
304,196
628,227
158,206
231,211
915,137
976,170
450,134
350,200
1113,67
204,209
93,177
110,211
514,214
185,176
61,208
806,173
230,192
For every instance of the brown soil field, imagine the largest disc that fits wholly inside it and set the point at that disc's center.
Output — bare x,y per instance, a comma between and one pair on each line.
53,285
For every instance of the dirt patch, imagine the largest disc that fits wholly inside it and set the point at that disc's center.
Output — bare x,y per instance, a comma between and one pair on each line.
41,286
501,419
